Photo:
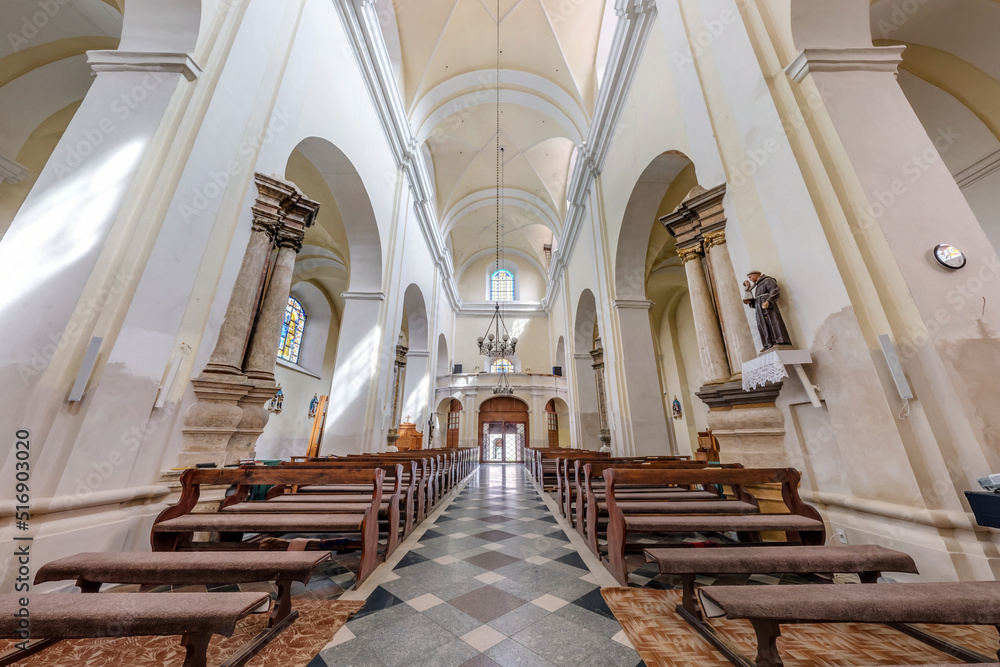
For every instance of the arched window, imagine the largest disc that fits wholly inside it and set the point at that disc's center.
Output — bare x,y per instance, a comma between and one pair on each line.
291,331
502,366
502,286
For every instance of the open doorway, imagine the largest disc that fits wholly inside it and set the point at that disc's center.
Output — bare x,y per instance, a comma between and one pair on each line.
503,428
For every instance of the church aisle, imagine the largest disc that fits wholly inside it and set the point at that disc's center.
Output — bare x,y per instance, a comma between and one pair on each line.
493,581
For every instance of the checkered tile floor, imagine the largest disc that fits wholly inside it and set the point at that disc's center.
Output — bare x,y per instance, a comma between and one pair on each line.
494,581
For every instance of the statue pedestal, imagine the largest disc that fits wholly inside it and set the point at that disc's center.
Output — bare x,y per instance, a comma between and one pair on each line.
770,367
751,430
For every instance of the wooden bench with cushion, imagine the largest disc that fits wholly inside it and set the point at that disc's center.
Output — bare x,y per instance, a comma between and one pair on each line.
565,469
591,506
91,570
194,616
767,607
175,526
396,507
867,560
800,523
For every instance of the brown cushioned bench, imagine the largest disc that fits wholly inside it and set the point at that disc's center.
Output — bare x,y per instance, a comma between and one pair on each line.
194,616
567,469
867,560
174,528
800,523
90,570
593,507
396,502
767,607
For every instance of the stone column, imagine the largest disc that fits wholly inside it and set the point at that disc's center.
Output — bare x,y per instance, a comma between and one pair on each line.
538,425
706,323
468,421
732,312
398,382
227,357
350,421
602,403
638,366
587,403
267,334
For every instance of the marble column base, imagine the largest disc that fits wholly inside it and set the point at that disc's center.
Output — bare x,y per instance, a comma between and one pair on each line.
255,416
210,423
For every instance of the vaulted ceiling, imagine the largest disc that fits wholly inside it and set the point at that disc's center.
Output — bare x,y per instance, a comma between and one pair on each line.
444,56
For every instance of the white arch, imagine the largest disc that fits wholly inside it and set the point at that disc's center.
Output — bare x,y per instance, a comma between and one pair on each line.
638,221
479,87
491,251
364,245
510,197
416,319
443,362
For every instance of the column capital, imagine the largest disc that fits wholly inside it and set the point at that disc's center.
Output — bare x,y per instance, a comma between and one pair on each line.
143,61
289,238
690,253
362,296
712,239
636,304
854,59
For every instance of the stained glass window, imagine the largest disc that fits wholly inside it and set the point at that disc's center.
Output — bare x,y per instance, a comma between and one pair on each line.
291,331
502,286
502,366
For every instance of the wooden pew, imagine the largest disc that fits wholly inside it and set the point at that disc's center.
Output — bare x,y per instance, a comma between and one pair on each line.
592,507
800,523
175,526
392,508
897,605
193,616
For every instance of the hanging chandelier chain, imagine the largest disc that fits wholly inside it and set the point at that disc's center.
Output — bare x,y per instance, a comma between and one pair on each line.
496,344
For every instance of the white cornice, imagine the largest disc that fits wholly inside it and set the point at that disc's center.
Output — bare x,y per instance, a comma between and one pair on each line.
487,308
362,296
635,19
144,61
10,171
976,171
856,59
366,40
637,304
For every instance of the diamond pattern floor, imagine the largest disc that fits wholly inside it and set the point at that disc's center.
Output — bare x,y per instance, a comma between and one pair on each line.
494,581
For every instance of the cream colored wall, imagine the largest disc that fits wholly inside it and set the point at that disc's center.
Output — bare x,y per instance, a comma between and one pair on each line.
532,349
473,284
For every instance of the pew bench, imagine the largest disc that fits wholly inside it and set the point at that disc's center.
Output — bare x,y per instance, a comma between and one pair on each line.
867,560
800,523
898,605
174,528
91,570
193,616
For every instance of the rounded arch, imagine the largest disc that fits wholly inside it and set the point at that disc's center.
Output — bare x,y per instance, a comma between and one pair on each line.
316,334
471,89
416,319
557,426
364,242
443,362
586,322
638,221
561,354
